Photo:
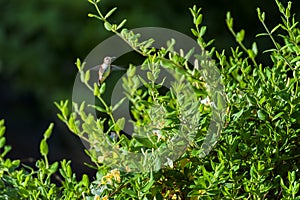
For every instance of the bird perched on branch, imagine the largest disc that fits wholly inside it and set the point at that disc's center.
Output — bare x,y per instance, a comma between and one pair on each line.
105,68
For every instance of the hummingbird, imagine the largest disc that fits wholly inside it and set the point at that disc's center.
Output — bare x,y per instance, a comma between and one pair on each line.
105,68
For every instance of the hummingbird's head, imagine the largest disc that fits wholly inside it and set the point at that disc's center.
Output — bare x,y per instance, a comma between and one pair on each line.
107,60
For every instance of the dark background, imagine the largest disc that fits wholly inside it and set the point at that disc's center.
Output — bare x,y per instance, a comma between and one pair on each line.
40,41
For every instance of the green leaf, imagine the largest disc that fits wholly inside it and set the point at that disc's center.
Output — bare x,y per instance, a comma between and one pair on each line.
254,48
131,71
96,90
69,170
78,64
91,1
120,124
121,24
202,31
250,99
189,53
48,132
150,76
288,9
280,6
102,88
292,176
15,163
87,76
238,114
198,20
93,16
282,184
261,115
261,16
53,167
107,26
192,11
118,104
195,33
229,20
110,12
167,64
6,150
130,192
44,147
2,131
295,59
82,106
250,53
240,35
144,141
262,34
98,108
277,116
81,76
110,123
2,142
275,28
147,187
85,180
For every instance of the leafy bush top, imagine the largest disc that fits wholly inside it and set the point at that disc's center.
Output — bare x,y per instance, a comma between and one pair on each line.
256,156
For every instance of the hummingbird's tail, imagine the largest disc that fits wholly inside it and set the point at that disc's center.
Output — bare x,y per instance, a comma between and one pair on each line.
115,67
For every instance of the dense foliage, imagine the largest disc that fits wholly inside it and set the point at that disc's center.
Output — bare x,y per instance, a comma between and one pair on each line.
256,156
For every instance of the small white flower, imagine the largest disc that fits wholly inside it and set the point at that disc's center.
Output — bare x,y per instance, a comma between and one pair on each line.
205,101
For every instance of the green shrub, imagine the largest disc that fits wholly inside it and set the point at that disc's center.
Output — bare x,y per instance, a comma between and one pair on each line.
18,181
256,156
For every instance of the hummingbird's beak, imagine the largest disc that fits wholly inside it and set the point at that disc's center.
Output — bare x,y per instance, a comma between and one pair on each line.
112,59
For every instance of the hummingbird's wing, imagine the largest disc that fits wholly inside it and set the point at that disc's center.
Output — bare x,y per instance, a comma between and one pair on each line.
95,68
115,67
